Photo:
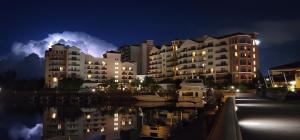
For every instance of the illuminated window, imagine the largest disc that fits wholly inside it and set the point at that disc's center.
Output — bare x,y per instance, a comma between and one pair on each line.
123,122
203,52
116,128
129,121
254,56
116,72
54,79
116,76
89,76
103,63
212,70
53,116
176,68
129,81
90,62
253,49
59,126
88,116
116,81
116,124
194,53
254,75
237,68
245,48
235,47
254,69
254,62
203,65
116,115
123,68
102,129
245,54
129,68
193,60
61,69
116,63
88,130
116,68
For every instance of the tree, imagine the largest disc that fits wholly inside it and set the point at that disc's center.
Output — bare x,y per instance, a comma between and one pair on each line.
111,84
209,81
70,84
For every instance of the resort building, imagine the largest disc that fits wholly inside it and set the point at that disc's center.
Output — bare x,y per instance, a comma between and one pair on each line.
64,61
138,53
231,57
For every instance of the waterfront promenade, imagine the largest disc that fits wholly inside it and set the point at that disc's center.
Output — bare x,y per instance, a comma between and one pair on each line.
264,119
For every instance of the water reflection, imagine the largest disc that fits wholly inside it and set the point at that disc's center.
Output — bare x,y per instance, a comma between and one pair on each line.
114,122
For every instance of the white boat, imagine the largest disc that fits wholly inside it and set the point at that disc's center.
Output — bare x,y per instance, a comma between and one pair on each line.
192,92
153,98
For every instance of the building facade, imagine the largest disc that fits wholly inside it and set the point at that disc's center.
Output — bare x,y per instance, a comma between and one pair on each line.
64,61
138,53
232,57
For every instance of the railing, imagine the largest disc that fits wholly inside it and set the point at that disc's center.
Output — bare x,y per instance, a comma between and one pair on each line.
226,126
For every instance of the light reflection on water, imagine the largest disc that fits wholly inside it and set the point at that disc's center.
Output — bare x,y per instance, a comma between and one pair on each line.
19,122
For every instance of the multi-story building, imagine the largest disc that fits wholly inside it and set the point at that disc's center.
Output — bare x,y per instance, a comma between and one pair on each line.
233,57
64,61
90,123
138,53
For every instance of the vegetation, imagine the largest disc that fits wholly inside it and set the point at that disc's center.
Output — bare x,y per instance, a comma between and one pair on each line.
70,84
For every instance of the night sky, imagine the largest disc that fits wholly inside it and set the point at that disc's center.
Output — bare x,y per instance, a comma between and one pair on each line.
130,22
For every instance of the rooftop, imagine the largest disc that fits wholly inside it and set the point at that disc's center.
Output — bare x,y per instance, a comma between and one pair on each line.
295,65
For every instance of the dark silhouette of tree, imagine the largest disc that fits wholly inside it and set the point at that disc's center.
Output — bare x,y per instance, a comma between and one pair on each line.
70,84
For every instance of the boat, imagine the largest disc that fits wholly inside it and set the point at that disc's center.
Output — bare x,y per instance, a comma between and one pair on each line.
191,92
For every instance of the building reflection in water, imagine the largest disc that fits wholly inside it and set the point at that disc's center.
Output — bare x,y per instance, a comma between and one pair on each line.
75,123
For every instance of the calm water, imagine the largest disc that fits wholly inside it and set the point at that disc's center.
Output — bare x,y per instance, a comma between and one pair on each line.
24,121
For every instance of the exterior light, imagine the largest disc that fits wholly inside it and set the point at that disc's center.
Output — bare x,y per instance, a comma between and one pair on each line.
93,90
55,79
90,62
275,85
102,129
267,79
129,121
232,87
176,68
237,90
116,81
129,81
88,130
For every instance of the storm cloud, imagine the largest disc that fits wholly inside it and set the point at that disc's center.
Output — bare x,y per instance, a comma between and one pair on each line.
87,43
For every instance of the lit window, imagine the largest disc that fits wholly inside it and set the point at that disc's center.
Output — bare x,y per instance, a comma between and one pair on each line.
129,68
53,116
102,129
59,126
116,124
123,122
54,79
194,53
254,62
193,60
90,62
212,70
235,47
129,81
254,69
116,76
88,130
235,54
116,115
88,116
245,54
116,72
116,63
253,49
116,128
237,68
203,65
254,75
123,68
245,48
129,121
203,52
103,63
254,56
61,69
116,81
89,76
116,68
176,68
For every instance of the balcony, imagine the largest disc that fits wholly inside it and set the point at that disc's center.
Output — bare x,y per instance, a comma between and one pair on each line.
103,68
222,71
221,50
74,53
221,43
221,57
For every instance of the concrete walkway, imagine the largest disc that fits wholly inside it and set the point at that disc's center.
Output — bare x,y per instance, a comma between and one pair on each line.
263,119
